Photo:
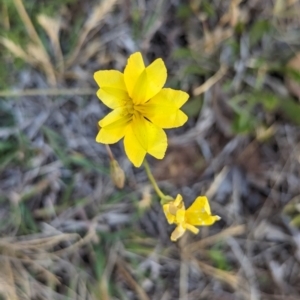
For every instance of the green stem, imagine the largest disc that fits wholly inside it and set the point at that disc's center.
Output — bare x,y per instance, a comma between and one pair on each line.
151,178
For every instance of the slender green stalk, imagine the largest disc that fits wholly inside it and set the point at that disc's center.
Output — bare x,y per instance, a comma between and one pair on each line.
163,198
151,178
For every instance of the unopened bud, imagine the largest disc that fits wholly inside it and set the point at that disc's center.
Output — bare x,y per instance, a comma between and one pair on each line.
117,174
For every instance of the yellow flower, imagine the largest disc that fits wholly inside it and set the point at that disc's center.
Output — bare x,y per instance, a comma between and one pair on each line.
198,214
141,108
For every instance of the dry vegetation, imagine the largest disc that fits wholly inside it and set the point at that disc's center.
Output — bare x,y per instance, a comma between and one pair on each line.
67,233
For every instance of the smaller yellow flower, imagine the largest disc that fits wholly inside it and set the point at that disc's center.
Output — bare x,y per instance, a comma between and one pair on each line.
198,214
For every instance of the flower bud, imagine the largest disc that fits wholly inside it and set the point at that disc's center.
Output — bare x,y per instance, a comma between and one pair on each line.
117,174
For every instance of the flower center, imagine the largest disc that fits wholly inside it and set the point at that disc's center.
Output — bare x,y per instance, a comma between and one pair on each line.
129,106
173,209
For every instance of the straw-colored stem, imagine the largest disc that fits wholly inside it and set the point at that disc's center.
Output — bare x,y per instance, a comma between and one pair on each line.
110,154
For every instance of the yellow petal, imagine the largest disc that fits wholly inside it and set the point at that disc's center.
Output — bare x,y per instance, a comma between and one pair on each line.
110,78
177,233
170,217
150,137
200,204
201,219
191,228
134,68
176,204
117,117
180,215
199,213
177,97
113,126
164,109
133,149
110,135
112,92
150,82
178,200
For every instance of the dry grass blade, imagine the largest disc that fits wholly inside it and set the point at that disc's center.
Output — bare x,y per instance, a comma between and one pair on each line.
99,12
5,17
37,242
183,282
227,277
22,279
48,92
103,284
35,189
217,182
16,50
7,282
35,55
279,7
210,82
36,254
90,50
103,287
50,277
233,14
90,237
247,268
52,27
38,47
229,232
42,58
230,278
27,22
130,281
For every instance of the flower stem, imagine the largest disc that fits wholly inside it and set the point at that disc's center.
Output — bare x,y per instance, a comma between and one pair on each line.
151,178
110,154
